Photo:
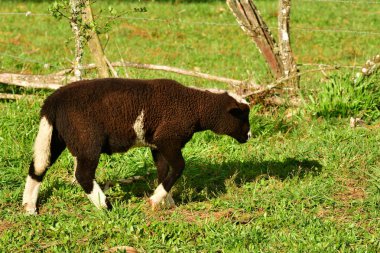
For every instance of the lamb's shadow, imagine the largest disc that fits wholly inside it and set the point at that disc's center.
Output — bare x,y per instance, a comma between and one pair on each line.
202,179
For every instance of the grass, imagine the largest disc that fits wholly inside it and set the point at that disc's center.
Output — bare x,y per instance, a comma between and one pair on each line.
306,183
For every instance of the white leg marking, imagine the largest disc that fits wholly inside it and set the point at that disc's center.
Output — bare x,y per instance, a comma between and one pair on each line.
158,195
42,147
97,196
29,199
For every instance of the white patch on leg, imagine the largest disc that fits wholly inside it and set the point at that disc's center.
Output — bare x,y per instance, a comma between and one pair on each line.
42,147
29,199
138,127
97,196
159,194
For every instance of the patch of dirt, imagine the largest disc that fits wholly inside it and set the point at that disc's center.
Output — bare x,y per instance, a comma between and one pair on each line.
4,225
352,192
237,216
345,211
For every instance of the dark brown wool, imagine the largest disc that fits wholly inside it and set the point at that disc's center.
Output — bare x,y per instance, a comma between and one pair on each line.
98,116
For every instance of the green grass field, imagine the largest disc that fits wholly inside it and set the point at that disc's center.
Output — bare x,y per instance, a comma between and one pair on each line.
304,183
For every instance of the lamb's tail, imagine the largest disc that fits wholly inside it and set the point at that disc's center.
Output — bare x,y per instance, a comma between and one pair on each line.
41,161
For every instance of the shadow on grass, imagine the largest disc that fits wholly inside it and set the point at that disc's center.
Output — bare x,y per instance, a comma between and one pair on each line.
202,180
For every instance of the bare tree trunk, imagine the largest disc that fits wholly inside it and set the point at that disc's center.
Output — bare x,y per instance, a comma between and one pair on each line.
286,53
76,9
94,44
252,23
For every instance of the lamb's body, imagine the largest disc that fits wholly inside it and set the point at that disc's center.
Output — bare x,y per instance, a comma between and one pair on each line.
113,115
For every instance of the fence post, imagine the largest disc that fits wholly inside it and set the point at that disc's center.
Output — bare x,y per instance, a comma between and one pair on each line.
253,24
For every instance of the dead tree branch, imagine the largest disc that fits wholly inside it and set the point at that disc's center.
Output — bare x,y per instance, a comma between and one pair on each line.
233,82
250,20
282,80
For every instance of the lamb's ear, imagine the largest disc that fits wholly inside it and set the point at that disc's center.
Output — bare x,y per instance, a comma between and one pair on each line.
235,111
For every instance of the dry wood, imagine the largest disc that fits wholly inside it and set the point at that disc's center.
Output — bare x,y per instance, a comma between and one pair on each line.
286,53
282,80
114,73
250,20
233,82
96,49
33,81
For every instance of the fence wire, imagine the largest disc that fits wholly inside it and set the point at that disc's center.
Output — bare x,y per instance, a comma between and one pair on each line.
201,23
340,1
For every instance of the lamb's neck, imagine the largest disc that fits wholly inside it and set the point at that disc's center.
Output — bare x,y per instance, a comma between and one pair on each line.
207,113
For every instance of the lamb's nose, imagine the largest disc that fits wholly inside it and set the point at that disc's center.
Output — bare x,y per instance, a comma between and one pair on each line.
249,134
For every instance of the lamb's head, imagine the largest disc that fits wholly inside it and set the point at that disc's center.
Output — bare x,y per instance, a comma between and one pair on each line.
233,119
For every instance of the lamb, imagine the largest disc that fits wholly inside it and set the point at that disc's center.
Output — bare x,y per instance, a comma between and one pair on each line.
91,117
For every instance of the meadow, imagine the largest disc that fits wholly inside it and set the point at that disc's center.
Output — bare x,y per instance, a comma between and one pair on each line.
306,182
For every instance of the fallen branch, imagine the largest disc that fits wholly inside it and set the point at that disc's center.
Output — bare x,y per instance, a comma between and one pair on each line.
280,81
51,82
233,82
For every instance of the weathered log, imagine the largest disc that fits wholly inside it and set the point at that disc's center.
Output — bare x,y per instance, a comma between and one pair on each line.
51,82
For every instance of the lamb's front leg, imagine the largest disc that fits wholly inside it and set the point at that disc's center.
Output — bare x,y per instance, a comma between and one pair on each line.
165,159
162,170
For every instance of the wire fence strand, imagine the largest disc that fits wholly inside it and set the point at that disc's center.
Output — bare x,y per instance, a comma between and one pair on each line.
201,23
340,1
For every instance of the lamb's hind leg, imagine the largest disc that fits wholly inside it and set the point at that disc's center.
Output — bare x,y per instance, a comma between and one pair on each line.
47,148
85,175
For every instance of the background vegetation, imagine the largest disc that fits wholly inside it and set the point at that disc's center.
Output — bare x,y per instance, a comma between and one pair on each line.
307,182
